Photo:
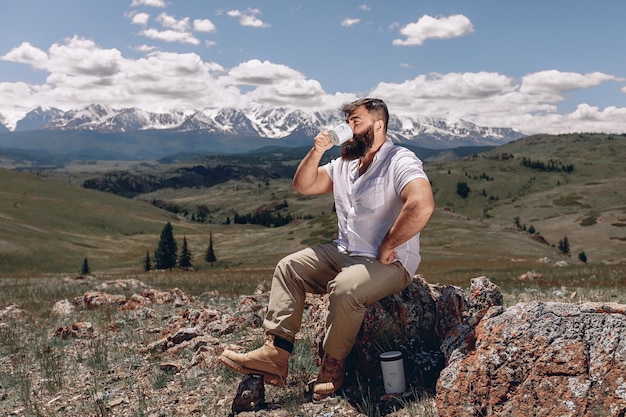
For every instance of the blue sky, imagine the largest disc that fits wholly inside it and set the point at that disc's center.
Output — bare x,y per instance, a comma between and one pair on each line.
534,65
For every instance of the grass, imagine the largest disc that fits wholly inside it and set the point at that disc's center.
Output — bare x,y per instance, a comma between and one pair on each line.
36,369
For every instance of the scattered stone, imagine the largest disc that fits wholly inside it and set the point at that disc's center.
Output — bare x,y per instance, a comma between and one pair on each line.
174,339
136,302
121,284
118,401
250,394
530,276
93,299
63,308
11,312
171,367
78,330
175,296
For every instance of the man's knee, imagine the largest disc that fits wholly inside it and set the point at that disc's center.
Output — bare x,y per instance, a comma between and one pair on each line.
343,294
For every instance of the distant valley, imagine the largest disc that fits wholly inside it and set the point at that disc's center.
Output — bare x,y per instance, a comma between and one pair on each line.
112,211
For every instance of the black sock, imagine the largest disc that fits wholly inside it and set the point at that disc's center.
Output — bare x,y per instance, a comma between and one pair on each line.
283,344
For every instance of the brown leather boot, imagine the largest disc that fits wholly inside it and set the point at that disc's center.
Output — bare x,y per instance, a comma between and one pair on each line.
268,360
330,378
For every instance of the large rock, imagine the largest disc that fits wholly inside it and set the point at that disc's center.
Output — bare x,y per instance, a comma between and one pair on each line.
540,359
425,322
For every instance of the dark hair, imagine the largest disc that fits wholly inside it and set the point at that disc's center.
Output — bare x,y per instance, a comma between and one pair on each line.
373,105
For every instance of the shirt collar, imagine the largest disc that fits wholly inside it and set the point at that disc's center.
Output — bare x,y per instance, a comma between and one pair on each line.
385,148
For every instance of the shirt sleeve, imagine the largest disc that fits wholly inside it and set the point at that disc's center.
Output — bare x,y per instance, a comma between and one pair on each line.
407,167
329,167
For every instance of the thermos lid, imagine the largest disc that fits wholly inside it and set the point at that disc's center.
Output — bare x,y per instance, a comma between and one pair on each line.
393,355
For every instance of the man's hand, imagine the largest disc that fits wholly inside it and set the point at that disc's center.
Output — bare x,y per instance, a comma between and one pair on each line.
322,142
417,206
386,255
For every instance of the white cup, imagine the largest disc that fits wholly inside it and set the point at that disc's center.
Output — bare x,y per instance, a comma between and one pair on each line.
393,372
339,134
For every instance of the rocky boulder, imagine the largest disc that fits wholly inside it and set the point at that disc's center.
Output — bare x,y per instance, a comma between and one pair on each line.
425,322
540,359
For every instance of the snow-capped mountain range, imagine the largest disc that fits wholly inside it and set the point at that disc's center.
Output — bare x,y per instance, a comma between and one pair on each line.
257,121
275,123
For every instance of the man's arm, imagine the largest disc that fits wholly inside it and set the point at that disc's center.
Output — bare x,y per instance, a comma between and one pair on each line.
418,205
310,178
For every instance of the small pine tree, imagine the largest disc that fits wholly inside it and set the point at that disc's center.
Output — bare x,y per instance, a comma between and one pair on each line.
84,269
582,257
462,189
185,256
166,254
147,263
564,245
210,254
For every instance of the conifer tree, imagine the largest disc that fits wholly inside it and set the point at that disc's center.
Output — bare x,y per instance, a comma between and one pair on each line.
462,189
564,245
84,269
147,263
166,253
184,260
210,254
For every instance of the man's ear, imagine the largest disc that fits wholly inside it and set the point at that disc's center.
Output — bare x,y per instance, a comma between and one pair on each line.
378,125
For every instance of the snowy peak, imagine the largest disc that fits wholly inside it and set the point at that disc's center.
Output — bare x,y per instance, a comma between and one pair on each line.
404,128
89,118
135,119
213,120
38,118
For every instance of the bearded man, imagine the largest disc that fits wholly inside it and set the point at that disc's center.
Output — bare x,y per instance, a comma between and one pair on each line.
383,200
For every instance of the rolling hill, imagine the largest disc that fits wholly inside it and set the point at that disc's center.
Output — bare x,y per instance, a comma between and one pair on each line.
49,225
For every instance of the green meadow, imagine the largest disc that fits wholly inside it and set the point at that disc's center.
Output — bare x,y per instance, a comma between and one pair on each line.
49,224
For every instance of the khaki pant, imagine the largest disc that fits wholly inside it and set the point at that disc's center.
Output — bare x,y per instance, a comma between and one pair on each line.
351,281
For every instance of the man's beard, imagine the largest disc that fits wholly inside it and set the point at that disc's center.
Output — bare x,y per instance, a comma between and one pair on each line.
358,145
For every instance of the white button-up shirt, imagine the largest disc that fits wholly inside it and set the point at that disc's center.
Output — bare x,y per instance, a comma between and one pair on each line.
368,205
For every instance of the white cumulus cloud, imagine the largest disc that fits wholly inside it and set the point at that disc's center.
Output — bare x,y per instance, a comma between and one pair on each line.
170,36
27,54
204,25
248,17
140,18
152,3
347,22
256,72
557,81
168,21
428,27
